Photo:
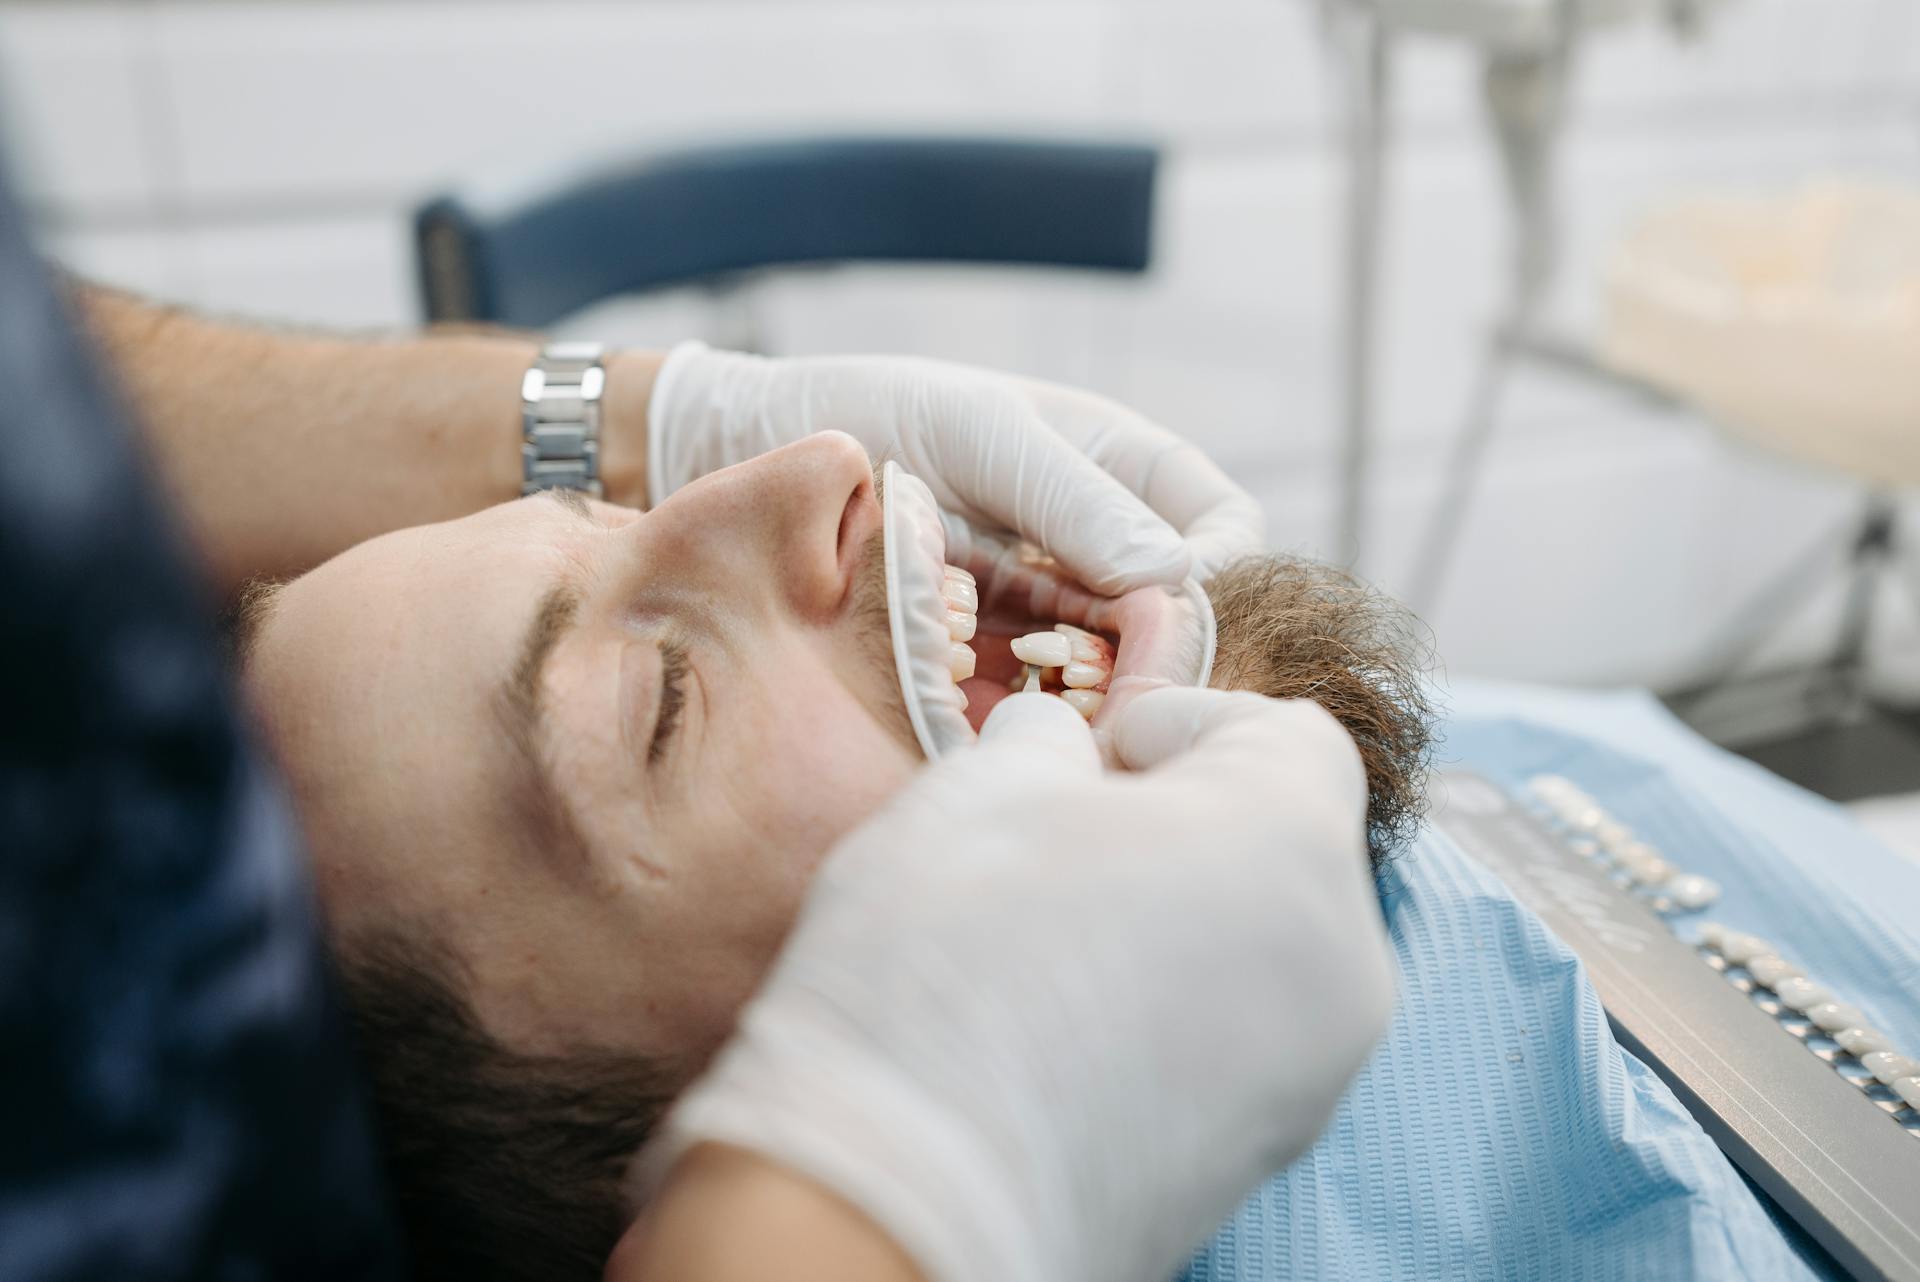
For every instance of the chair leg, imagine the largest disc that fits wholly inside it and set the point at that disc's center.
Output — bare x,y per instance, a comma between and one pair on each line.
1462,477
1367,54
1842,695
1760,618
1525,98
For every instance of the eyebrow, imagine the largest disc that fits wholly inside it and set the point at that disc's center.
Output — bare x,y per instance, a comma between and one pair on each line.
521,706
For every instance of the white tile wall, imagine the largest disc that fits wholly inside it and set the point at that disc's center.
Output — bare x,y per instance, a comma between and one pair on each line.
262,158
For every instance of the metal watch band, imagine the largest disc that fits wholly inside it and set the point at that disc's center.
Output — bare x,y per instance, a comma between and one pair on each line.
560,419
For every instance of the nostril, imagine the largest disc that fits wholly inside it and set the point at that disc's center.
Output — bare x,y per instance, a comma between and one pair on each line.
859,522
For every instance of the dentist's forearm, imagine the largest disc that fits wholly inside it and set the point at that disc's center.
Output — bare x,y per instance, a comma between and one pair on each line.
725,1215
284,448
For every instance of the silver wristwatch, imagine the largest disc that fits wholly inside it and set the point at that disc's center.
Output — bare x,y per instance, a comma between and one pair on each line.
560,419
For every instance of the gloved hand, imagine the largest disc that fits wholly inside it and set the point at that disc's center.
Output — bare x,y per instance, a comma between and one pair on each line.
1043,1024
1095,484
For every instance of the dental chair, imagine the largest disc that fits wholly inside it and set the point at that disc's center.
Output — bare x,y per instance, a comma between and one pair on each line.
532,249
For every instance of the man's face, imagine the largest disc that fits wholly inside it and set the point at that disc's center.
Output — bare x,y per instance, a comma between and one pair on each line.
597,753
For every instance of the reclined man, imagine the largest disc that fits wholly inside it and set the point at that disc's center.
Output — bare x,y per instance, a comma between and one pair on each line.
565,769
571,772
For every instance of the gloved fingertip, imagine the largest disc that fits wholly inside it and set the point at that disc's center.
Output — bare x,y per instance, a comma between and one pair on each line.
1152,556
1045,721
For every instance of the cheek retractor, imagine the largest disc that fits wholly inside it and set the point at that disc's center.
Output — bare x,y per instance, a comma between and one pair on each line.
932,612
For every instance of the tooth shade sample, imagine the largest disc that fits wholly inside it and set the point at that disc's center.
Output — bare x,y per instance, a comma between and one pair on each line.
961,595
1043,649
1083,676
1889,1065
1831,1017
955,572
1692,891
1646,870
1741,949
1611,833
1713,934
1085,702
961,625
1800,994
1770,971
1908,1089
1087,648
1862,1040
961,662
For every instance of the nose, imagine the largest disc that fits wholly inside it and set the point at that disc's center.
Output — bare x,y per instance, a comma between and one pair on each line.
791,524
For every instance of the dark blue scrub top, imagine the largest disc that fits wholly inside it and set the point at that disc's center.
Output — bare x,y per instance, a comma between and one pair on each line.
176,1095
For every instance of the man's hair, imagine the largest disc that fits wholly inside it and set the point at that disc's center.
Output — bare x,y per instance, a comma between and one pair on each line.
1297,629
502,1164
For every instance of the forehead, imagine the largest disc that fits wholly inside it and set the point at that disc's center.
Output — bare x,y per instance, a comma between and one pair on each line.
366,669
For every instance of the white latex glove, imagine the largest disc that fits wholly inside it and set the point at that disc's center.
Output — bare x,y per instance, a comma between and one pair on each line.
1096,485
1047,1025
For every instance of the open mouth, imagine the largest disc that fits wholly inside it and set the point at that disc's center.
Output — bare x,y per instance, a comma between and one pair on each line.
1006,619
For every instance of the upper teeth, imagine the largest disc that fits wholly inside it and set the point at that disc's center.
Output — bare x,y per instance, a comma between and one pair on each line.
963,619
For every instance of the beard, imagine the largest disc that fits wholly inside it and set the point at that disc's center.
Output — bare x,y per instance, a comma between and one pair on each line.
1291,628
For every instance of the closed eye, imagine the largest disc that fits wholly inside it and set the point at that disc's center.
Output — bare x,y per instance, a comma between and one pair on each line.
673,698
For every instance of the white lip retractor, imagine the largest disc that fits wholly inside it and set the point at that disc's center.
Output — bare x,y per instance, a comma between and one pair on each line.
1166,633
915,548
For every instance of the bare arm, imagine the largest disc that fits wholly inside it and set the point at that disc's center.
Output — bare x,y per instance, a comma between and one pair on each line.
726,1215
284,448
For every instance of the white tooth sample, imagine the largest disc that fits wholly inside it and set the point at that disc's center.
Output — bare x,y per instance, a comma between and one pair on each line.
1613,834
1713,934
1084,676
1646,869
1084,702
1087,648
962,661
1043,649
1862,1040
955,572
1691,891
961,625
1740,948
1771,971
1908,1089
961,595
1800,994
1831,1017
1889,1065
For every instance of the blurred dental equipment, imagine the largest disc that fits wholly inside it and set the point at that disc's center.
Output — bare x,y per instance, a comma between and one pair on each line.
1586,1074
1529,48
1792,324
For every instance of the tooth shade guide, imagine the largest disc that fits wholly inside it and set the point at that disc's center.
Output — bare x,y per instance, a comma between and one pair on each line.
1043,649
